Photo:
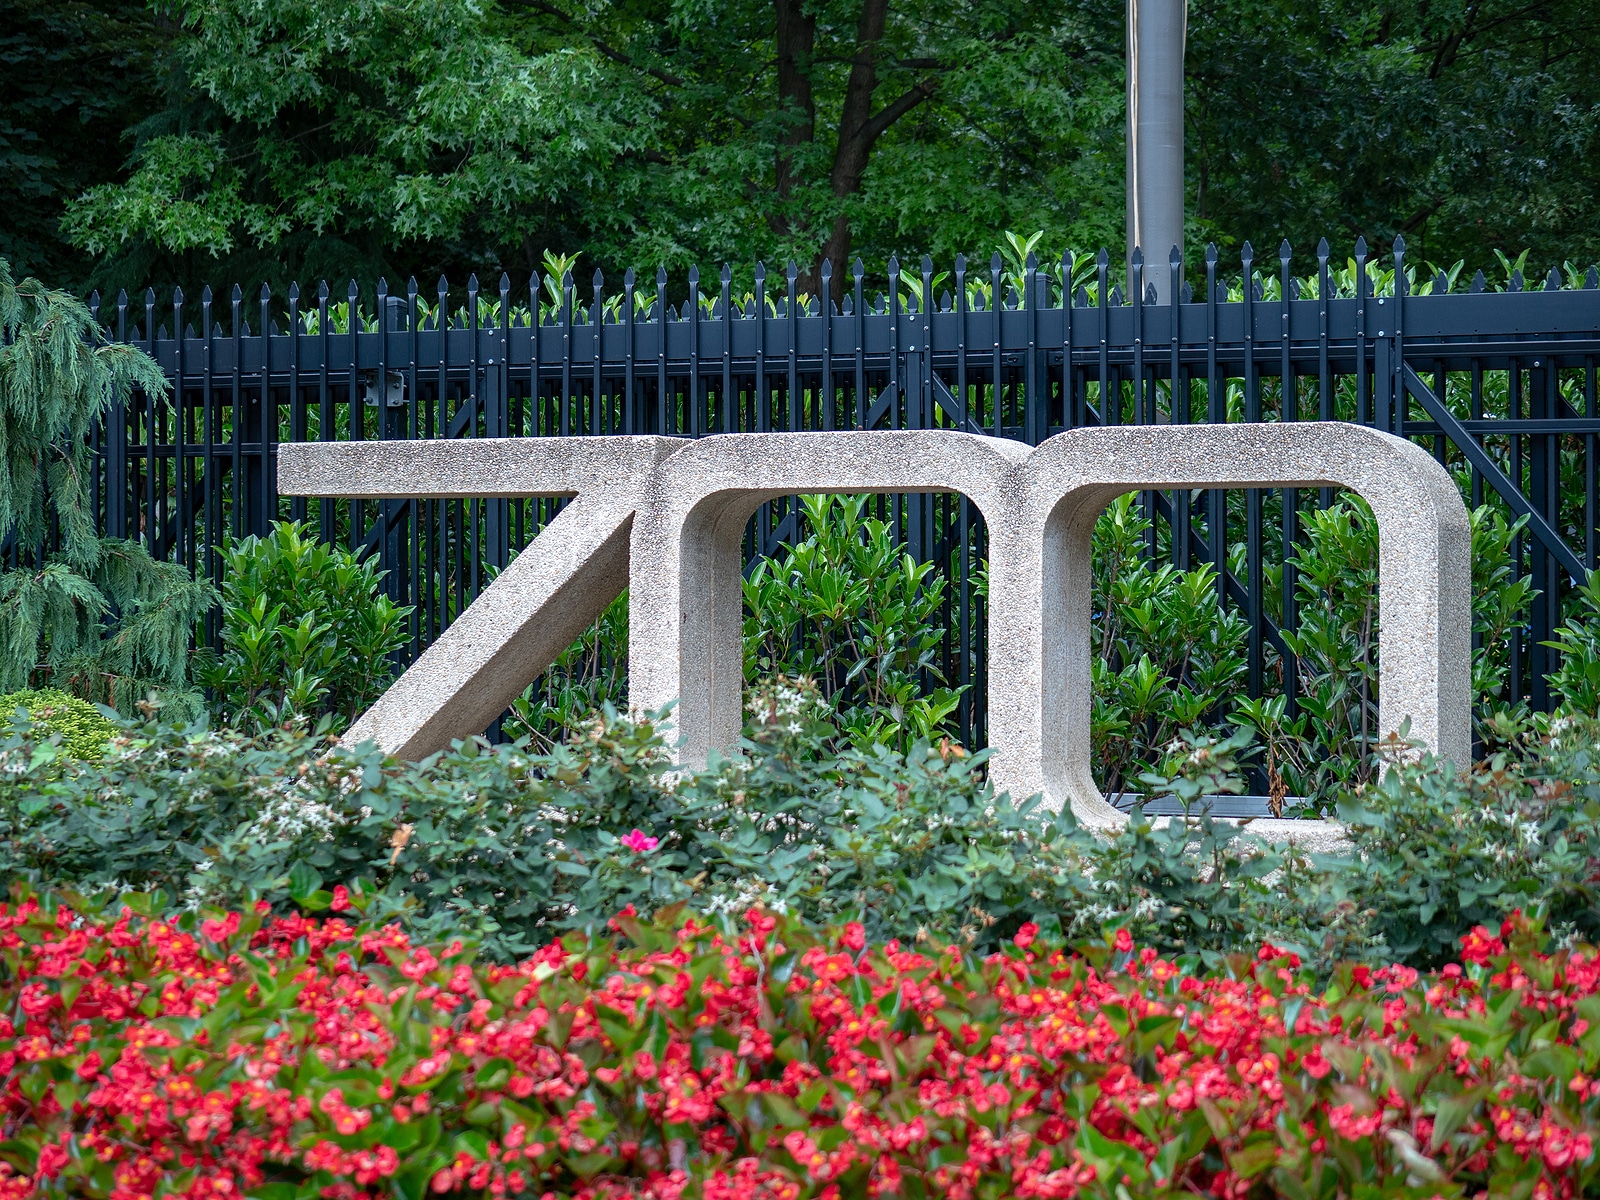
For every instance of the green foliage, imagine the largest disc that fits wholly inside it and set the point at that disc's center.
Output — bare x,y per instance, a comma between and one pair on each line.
848,607
336,128
1499,598
1440,853
1336,654
58,374
336,136
1199,767
99,613
1393,118
512,845
1329,746
306,628
368,137
83,729
845,606
585,677
1168,655
61,125
1576,678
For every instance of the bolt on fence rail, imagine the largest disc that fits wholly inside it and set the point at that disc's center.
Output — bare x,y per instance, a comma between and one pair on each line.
1499,384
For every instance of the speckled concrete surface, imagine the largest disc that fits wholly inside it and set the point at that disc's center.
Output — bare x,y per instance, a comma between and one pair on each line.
686,606
1040,577
667,516
544,599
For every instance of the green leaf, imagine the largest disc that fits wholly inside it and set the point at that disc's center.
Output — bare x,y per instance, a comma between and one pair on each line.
1258,1154
783,1110
494,1074
1551,1062
304,880
813,1095
1452,1112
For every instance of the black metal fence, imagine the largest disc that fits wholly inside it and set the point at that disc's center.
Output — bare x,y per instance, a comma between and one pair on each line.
1499,384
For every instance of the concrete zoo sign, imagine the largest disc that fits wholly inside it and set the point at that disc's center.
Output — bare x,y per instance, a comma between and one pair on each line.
665,517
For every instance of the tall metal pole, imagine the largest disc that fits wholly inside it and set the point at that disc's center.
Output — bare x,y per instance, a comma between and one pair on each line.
1156,32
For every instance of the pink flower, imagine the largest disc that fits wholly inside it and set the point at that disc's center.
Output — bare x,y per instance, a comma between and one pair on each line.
220,931
1316,1065
639,843
52,1158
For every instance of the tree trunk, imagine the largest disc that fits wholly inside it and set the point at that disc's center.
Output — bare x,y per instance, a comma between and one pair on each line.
860,129
795,42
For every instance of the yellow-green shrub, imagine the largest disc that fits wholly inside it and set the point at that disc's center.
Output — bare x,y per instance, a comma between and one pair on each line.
83,729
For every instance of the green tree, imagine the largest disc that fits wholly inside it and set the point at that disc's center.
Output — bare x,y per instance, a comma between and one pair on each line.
284,139
331,134
1464,124
79,76
370,135
99,613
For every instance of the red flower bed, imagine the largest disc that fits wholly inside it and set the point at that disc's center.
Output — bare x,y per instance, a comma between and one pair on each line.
302,1058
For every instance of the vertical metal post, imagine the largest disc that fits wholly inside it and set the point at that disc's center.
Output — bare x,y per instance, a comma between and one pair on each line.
115,435
498,421
1255,582
1156,33
695,423
264,466
1216,414
325,414
825,301
1288,410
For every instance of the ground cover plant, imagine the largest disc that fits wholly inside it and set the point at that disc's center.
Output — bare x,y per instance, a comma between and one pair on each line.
510,845
280,1057
82,728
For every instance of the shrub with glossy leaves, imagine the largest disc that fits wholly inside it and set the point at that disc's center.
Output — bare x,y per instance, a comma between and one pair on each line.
306,629
848,607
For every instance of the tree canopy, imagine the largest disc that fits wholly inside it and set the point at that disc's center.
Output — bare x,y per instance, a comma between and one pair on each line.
278,139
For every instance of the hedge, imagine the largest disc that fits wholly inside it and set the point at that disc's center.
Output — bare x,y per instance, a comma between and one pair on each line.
289,1058
511,848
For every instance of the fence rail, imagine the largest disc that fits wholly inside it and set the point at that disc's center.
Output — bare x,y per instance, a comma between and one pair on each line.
1500,385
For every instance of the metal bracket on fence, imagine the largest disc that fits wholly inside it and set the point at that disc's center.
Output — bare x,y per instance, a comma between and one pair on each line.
880,407
1490,470
942,397
952,409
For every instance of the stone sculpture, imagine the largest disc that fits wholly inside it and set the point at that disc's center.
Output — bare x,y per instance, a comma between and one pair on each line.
666,516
